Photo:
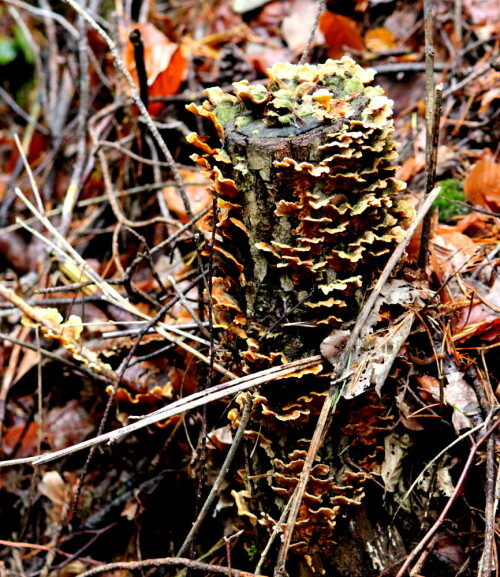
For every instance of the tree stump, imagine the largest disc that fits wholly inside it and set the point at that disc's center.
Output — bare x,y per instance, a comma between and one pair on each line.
308,212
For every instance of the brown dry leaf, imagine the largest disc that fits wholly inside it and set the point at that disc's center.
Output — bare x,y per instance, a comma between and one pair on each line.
375,361
380,40
483,11
457,393
461,396
453,250
221,438
339,31
296,27
62,427
59,491
482,319
22,437
396,449
67,425
482,185
198,192
163,59
410,167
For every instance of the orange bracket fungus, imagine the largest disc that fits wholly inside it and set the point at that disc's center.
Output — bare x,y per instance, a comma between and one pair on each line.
308,211
308,208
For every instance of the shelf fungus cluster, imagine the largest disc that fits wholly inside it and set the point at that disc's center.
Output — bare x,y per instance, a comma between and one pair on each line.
308,210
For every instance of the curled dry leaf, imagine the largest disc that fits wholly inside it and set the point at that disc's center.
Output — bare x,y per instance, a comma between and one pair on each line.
482,185
198,192
339,31
458,394
454,251
380,40
163,59
59,491
297,25
221,438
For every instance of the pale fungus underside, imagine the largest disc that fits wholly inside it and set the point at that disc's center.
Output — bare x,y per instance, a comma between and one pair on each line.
308,212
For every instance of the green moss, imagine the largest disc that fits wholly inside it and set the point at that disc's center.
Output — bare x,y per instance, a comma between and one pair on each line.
451,189
243,121
225,111
353,85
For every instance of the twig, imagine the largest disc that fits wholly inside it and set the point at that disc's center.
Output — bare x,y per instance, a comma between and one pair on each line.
338,375
320,9
432,118
43,13
416,570
467,80
220,477
167,562
136,40
110,294
182,405
138,102
398,67
4,95
486,564
456,492
83,112
457,22
187,306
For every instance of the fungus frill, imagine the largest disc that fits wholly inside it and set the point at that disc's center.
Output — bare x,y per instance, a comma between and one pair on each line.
308,208
308,211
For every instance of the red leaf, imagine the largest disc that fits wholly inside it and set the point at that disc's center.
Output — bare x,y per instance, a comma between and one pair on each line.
164,62
482,185
339,31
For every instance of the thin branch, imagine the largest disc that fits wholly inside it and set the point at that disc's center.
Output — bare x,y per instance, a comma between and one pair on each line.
245,417
486,565
320,9
432,117
177,407
457,491
168,562
83,111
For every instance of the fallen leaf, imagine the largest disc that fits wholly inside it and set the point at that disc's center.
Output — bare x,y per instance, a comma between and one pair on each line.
163,59
396,449
380,40
197,190
482,11
453,251
296,27
339,31
482,185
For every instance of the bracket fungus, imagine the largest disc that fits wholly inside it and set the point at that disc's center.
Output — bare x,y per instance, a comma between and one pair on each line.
308,211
